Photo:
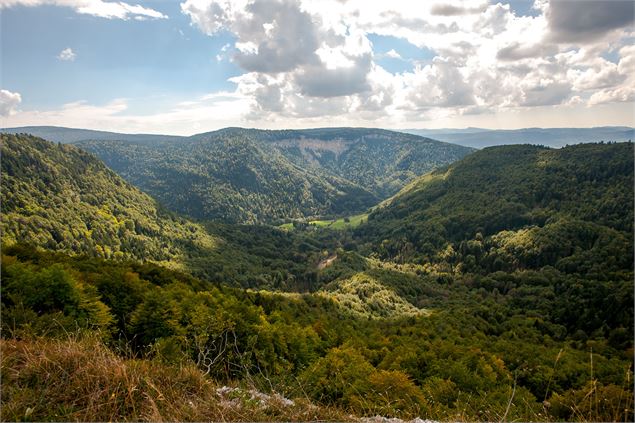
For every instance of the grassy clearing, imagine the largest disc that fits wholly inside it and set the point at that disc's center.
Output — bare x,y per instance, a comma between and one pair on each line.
337,224
343,223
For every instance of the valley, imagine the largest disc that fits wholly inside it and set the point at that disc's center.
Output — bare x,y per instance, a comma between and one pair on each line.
238,175
328,274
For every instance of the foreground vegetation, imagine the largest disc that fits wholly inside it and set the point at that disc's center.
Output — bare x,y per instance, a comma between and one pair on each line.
78,378
471,359
499,288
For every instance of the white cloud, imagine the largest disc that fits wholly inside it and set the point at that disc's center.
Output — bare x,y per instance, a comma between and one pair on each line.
208,112
273,36
624,74
8,102
448,9
99,8
312,63
393,54
67,55
439,84
589,20
304,58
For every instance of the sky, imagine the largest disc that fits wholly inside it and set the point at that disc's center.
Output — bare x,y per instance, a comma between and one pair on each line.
184,67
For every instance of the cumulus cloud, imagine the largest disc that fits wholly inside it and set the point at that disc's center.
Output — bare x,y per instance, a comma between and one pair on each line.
588,20
283,35
545,93
516,51
393,54
207,112
297,63
9,102
624,72
447,9
303,59
318,81
273,35
438,85
67,55
99,8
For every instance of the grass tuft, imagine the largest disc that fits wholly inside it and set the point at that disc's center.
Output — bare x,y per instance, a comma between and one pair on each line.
82,380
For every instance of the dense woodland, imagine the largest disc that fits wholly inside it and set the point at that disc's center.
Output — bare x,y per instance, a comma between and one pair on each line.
499,287
252,176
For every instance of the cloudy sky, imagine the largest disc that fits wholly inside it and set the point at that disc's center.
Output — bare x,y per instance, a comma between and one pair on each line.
197,65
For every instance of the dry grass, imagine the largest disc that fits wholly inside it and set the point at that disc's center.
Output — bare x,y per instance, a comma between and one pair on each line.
82,380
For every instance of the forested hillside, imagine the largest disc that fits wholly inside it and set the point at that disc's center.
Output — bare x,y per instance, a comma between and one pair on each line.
230,178
253,176
61,198
379,160
519,206
497,288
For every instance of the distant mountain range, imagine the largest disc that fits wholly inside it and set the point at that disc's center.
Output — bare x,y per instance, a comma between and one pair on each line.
69,135
469,137
254,176
242,175
550,137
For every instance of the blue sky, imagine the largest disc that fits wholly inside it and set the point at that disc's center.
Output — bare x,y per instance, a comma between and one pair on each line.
114,58
183,67
408,54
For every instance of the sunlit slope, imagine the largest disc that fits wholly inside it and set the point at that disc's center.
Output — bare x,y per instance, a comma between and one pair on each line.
61,198
515,206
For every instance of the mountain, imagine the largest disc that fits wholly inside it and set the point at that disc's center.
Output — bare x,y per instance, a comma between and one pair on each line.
551,137
61,198
230,178
69,135
505,275
379,160
515,207
57,197
252,176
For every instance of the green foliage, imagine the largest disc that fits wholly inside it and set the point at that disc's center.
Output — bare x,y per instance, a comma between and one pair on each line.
332,377
547,204
527,291
380,161
49,300
459,361
230,178
60,198
390,393
364,296
252,176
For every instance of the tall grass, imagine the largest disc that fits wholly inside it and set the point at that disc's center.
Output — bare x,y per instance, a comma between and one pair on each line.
80,379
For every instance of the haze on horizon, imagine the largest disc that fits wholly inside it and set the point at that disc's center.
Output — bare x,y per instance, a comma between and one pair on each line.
198,65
